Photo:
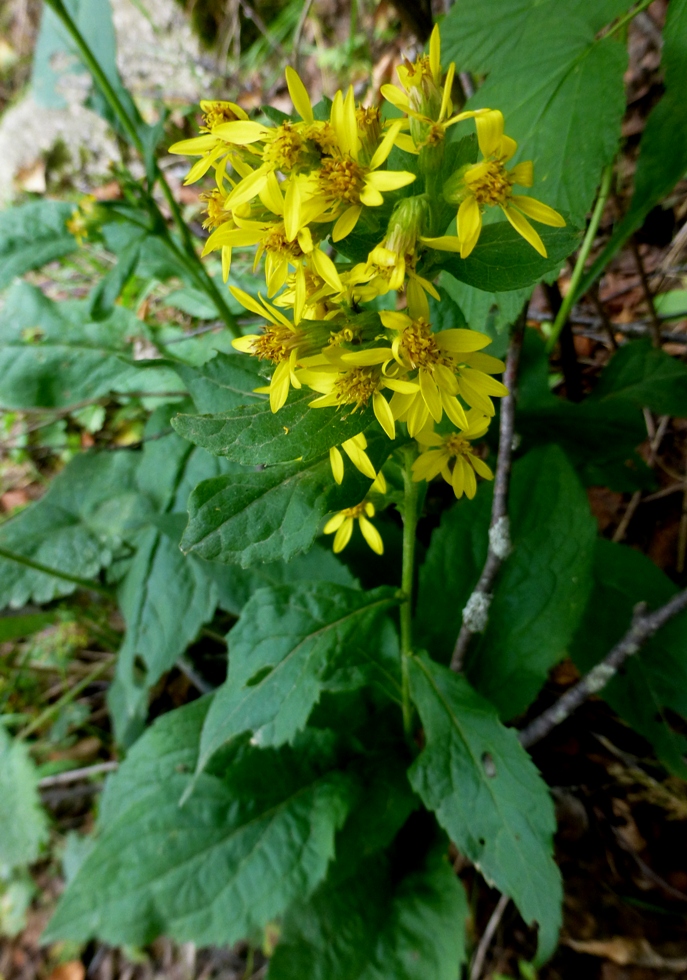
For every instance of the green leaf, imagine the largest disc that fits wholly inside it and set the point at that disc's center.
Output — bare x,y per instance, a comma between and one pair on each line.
377,925
503,261
255,434
53,354
663,149
598,435
543,586
194,302
266,515
16,627
546,67
104,296
223,383
490,313
235,585
250,840
74,528
645,376
287,643
165,599
32,235
23,821
454,562
487,795
653,680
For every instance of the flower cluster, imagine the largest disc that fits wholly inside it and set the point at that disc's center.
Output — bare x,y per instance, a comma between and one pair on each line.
305,193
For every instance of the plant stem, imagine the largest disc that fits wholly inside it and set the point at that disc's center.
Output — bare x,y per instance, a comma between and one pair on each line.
626,18
84,583
200,273
66,698
410,501
583,254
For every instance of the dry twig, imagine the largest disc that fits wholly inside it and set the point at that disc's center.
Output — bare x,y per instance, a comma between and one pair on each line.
643,627
476,609
488,935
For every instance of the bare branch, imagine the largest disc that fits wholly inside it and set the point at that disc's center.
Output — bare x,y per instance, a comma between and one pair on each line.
485,941
643,627
476,609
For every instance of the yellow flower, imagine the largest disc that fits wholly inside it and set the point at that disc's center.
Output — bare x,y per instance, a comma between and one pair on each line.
342,523
447,365
281,342
210,147
487,184
355,450
424,101
452,456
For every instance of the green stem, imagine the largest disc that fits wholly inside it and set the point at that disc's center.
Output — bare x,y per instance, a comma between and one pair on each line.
578,271
204,279
66,698
410,515
626,18
38,567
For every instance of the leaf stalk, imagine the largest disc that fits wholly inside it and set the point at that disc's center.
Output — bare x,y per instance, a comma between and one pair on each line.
410,517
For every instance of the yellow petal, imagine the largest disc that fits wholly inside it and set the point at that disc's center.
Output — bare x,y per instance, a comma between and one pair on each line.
485,362
429,464
489,131
279,386
458,478
523,173
370,197
271,195
405,142
371,535
470,481
359,458
245,344
395,97
299,95
446,95
334,523
481,467
383,414
346,223
241,132
454,410
385,147
389,180
445,243
247,188
538,211
469,225
343,535
326,269
459,341
507,149
431,395
524,228
435,54
337,465
194,147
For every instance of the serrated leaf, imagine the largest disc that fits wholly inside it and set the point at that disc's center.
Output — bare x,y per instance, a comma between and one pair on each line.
23,821
165,599
645,376
542,589
246,843
235,585
377,925
285,646
546,66
487,795
255,434
653,680
53,354
662,157
223,383
502,261
32,235
74,528
267,515
490,313
454,561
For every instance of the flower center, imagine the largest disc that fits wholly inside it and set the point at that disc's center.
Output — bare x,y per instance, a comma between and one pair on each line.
356,387
456,445
354,512
275,343
214,209
283,151
276,241
216,114
342,180
493,187
418,346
